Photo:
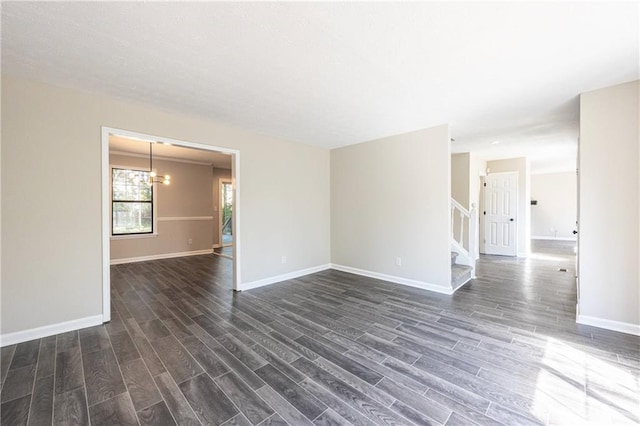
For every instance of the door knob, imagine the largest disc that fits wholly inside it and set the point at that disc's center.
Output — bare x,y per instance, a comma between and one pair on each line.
511,220
575,232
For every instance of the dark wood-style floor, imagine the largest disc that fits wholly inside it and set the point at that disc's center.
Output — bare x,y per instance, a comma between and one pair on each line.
329,349
226,251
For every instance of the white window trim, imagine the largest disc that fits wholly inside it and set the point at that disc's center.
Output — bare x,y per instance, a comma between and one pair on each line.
154,204
132,236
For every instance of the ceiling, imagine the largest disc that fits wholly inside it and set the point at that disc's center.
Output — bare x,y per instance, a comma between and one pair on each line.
336,73
123,145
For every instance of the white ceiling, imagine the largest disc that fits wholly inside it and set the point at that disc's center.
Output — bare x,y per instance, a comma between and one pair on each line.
163,151
550,147
333,74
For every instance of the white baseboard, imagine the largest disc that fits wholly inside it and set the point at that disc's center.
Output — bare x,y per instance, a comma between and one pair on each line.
283,277
397,280
215,246
623,327
49,330
544,237
160,256
522,255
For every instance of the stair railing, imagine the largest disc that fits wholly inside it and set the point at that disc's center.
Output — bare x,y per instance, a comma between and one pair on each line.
466,220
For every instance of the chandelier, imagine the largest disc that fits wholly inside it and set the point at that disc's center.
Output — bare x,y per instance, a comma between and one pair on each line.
153,176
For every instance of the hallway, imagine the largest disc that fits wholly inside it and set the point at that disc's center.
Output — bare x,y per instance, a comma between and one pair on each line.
531,291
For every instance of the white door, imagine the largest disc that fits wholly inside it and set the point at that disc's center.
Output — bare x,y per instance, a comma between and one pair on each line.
500,214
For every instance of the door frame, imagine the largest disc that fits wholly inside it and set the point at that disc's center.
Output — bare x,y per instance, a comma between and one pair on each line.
484,209
220,182
578,232
106,202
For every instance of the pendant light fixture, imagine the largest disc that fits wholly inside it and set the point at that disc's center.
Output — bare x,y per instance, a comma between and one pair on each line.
153,176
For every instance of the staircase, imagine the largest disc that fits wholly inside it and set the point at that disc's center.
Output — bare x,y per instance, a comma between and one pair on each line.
463,243
460,274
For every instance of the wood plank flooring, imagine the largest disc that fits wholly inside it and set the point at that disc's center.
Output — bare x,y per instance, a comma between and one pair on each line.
329,349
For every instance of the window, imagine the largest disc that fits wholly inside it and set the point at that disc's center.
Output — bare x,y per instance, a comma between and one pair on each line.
131,202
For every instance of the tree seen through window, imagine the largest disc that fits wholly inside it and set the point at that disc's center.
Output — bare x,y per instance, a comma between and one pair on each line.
132,202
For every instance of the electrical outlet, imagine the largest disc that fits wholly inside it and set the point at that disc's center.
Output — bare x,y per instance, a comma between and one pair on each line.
284,259
398,261
190,241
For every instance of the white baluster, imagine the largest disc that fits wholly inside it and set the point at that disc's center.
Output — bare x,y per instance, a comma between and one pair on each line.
473,223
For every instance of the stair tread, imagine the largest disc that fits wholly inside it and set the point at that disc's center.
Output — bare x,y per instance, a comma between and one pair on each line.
460,273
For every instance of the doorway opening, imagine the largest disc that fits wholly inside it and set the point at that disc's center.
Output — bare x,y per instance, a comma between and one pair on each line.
186,225
226,213
224,246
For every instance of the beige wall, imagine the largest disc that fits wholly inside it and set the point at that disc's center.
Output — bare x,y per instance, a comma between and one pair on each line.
51,198
520,165
555,214
217,204
460,169
609,211
389,199
189,196
461,192
466,170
